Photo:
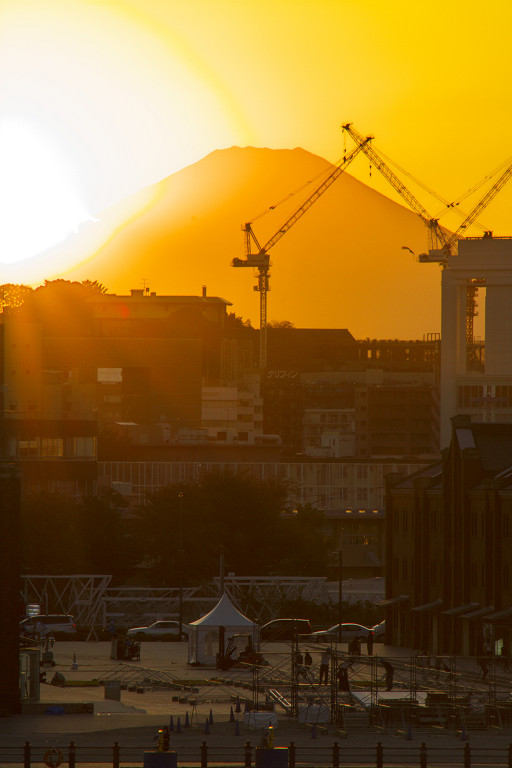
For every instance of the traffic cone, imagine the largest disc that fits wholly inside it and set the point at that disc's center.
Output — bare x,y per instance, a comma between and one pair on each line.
231,716
74,665
187,721
210,719
237,728
207,726
178,726
171,724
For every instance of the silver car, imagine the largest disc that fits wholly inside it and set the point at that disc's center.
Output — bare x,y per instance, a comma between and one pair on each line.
160,630
348,632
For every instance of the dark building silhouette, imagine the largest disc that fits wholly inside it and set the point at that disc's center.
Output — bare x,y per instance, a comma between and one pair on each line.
10,558
315,377
449,553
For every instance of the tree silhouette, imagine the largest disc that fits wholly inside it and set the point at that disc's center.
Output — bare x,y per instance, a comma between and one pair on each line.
13,295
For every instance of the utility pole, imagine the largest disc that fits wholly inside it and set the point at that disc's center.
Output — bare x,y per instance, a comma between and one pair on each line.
180,561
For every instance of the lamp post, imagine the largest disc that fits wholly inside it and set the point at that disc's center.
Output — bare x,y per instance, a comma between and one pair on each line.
340,579
340,591
180,554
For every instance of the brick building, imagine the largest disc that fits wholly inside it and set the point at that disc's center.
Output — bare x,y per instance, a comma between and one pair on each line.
449,546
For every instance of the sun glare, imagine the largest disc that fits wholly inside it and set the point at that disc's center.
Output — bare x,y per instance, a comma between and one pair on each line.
39,196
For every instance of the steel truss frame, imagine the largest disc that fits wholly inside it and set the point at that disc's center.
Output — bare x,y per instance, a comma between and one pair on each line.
268,592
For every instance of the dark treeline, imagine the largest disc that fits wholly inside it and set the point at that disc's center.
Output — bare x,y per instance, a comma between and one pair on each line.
223,512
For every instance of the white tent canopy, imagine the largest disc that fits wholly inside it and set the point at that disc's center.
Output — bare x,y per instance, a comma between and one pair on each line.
203,641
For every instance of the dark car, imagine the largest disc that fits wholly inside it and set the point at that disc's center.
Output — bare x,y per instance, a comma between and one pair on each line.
284,630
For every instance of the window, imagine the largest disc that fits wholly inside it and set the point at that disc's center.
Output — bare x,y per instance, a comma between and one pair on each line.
85,447
52,447
29,447
110,375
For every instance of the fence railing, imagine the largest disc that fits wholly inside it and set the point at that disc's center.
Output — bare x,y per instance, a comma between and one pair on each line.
335,755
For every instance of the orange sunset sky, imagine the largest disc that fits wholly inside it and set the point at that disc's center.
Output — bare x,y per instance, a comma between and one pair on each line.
101,99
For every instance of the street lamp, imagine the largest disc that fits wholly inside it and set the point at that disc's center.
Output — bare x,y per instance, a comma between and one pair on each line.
340,592
180,552
340,579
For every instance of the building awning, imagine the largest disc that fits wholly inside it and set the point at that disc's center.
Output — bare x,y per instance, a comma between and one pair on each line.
478,613
460,609
428,606
505,614
393,601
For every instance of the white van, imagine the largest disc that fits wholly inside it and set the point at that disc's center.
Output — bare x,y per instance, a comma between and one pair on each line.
49,624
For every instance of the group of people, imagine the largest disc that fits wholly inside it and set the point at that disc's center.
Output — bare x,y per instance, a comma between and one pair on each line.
342,670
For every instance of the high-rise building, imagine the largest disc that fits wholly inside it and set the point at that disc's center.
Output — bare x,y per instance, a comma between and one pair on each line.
476,331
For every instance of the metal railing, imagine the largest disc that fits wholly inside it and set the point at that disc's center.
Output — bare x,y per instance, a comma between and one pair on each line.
319,754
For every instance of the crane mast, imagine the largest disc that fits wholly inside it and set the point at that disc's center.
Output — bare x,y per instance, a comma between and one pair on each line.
260,259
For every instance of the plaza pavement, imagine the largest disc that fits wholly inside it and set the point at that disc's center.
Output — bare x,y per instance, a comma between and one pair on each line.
136,718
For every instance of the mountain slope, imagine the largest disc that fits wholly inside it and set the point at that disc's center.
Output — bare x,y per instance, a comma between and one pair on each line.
341,265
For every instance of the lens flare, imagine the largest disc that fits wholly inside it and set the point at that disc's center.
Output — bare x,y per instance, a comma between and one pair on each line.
39,195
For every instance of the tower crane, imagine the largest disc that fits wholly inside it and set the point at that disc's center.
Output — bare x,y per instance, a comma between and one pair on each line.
441,256
260,259
437,236
442,244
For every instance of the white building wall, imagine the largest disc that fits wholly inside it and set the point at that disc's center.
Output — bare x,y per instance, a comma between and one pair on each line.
489,259
498,330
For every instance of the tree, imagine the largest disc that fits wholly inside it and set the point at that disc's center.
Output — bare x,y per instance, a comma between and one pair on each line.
223,511
236,514
61,306
280,324
236,323
309,547
94,286
62,536
13,295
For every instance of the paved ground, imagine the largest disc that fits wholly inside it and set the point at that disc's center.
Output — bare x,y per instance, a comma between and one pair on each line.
135,719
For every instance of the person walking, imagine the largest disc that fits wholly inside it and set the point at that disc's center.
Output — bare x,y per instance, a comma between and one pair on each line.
389,674
369,643
324,666
343,683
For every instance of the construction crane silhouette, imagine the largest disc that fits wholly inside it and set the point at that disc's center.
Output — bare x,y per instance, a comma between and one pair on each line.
437,236
442,243
260,259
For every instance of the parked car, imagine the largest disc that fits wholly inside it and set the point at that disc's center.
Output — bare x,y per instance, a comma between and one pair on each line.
348,632
284,630
160,630
379,632
56,624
